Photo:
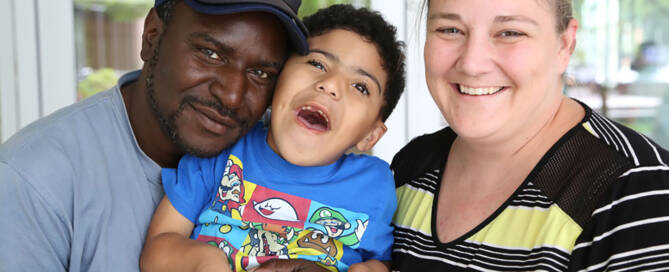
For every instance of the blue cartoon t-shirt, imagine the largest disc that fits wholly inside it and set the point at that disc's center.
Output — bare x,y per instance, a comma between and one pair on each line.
255,206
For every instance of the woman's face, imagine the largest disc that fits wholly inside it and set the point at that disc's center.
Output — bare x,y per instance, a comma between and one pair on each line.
494,66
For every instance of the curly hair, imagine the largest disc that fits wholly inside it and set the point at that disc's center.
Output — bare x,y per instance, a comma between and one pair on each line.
373,28
165,11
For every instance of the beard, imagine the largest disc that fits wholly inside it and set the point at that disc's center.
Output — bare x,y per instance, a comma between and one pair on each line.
167,121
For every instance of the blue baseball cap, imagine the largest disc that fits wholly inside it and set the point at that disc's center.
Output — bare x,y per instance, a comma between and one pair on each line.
285,10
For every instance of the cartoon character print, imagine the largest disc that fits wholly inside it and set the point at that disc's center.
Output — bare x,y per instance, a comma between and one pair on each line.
321,242
334,224
265,243
231,189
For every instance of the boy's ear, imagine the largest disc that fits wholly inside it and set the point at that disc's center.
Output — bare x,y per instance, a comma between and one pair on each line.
153,29
372,137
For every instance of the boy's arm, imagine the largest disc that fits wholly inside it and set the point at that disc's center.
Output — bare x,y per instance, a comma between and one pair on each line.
168,247
370,266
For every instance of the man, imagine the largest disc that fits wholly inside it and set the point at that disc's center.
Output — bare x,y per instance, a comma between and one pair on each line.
78,187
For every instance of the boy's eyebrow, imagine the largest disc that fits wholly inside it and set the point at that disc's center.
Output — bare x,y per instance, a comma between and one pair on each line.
225,49
359,70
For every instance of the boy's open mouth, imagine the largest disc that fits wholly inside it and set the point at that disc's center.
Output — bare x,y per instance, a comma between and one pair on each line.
313,118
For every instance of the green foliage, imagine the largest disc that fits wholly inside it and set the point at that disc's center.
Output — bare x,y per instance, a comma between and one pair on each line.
120,10
310,7
98,81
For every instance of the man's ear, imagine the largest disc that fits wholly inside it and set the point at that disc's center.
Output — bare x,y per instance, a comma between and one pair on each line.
153,28
568,43
372,137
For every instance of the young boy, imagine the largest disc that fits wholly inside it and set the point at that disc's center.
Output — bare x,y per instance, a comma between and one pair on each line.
290,192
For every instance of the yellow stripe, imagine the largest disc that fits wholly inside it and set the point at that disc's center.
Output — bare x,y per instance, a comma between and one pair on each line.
415,210
587,127
528,228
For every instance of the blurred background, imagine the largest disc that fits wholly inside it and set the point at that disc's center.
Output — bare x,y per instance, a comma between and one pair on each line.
56,52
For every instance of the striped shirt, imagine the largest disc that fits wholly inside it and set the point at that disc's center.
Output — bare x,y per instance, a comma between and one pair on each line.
597,201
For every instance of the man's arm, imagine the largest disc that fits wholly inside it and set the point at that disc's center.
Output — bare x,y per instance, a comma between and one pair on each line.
37,230
168,247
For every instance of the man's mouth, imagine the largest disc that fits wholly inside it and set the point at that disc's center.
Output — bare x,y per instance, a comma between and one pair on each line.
313,118
478,91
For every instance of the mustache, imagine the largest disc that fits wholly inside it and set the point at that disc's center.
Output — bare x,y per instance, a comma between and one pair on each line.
218,106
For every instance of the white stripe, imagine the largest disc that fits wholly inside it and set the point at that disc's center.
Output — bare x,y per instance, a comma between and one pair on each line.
433,175
531,252
625,254
518,248
634,268
627,142
532,202
657,154
637,260
592,130
420,190
411,234
431,245
416,182
622,227
434,258
630,197
529,195
434,182
644,169
606,136
606,127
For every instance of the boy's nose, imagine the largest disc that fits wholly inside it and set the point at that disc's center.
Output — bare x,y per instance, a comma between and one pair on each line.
329,86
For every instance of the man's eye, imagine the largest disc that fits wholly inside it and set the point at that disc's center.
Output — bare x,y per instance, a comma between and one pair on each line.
362,88
260,73
210,53
316,64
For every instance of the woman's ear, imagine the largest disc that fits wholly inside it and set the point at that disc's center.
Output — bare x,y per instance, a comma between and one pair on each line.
153,29
568,43
372,137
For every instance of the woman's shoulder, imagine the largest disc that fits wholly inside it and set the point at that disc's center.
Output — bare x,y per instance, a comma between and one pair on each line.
423,154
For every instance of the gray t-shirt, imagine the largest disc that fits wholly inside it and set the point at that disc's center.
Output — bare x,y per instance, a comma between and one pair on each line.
76,191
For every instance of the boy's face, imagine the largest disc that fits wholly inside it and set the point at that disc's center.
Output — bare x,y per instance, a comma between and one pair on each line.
328,101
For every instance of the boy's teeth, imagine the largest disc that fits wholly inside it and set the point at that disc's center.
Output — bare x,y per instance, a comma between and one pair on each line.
478,91
320,112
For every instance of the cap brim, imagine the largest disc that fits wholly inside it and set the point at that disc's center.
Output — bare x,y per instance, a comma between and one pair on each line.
294,28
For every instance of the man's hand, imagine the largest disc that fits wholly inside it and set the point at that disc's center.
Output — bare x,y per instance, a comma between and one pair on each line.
281,265
370,266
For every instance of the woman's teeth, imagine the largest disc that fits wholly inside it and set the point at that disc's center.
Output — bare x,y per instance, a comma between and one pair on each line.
479,91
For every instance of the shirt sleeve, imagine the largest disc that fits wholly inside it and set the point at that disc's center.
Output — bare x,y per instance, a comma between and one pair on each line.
378,244
629,229
38,227
190,186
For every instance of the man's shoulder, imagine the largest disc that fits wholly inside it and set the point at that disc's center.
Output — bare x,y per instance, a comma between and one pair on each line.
48,142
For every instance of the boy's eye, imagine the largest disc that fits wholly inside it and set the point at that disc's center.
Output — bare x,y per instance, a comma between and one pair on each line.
362,88
210,53
316,64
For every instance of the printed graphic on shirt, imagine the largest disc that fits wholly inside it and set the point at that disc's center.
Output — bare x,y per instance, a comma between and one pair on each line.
253,224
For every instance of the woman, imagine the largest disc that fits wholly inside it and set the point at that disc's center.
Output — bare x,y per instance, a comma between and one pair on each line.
524,178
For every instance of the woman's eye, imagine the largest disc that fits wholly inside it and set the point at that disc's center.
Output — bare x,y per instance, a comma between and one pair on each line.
449,30
362,88
316,64
511,33
210,53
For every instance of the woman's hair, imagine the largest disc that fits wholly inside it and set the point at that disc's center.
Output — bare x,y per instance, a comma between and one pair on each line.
562,8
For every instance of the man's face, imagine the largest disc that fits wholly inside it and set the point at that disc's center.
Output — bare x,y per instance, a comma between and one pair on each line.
212,76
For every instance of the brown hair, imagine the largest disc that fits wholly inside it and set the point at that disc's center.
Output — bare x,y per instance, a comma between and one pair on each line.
563,12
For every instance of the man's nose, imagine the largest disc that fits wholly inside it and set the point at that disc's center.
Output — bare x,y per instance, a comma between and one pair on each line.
230,88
